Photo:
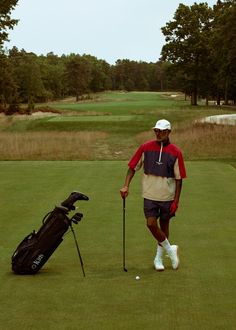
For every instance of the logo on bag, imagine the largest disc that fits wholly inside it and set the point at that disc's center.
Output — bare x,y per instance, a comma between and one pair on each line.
37,261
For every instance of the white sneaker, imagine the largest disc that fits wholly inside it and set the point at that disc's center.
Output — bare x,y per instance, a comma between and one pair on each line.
158,265
174,256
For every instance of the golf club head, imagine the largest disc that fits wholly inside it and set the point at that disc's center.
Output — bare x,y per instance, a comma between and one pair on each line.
76,218
74,196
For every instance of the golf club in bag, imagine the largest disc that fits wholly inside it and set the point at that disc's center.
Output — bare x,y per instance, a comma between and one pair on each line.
36,248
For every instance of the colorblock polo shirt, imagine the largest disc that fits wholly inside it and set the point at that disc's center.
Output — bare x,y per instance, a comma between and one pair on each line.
162,164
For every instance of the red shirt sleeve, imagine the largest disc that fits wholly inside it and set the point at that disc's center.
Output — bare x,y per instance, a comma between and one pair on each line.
181,165
136,158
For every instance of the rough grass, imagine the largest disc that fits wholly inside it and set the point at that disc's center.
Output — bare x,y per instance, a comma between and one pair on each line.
198,142
204,141
50,145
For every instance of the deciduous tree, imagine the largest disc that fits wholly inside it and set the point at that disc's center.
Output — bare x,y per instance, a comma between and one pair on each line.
224,50
78,74
6,22
187,43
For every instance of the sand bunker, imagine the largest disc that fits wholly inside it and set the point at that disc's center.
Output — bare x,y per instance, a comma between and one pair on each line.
228,119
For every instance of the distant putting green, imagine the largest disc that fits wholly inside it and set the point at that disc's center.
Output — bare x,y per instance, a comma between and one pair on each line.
200,295
105,118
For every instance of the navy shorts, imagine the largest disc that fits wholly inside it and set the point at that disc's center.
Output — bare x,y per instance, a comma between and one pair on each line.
157,209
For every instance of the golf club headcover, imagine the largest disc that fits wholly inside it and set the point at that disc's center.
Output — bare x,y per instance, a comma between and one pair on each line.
173,207
74,196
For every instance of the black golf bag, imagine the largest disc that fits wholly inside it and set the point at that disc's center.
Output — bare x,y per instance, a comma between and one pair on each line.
36,248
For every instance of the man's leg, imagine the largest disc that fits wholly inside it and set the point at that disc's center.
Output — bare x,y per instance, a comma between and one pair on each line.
172,250
155,230
164,224
158,261
153,210
162,239
159,236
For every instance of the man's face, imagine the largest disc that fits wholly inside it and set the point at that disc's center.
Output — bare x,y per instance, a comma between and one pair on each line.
161,135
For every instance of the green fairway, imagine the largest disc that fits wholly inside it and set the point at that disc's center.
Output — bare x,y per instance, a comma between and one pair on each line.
200,295
137,111
122,102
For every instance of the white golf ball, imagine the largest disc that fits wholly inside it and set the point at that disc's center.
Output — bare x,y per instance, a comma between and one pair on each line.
137,277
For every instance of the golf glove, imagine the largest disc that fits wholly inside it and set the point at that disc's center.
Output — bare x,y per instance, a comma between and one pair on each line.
173,207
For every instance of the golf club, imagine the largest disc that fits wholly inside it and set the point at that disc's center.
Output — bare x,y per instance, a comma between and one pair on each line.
124,268
77,246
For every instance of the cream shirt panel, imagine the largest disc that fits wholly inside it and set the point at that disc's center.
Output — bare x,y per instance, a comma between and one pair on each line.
158,188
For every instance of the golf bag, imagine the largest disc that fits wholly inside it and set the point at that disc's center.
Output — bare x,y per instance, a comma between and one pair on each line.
36,248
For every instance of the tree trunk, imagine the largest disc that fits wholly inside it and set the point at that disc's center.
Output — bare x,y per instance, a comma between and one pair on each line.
194,98
226,101
194,94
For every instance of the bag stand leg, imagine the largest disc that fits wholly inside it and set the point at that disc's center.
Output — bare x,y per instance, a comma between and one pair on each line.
77,246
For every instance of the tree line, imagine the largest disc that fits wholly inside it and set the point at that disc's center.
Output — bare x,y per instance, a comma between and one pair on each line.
28,78
198,58
200,45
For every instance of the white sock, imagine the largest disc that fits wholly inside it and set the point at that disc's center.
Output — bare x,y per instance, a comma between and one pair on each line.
160,251
166,245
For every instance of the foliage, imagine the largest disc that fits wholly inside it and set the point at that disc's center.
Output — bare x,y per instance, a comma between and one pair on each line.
223,46
78,74
43,78
8,84
186,43
6,22
200,45
27,75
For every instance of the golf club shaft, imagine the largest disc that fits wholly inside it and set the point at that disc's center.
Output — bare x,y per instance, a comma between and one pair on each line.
77,246
124,268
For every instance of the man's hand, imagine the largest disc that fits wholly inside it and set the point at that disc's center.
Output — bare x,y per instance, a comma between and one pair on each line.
124,192
173,207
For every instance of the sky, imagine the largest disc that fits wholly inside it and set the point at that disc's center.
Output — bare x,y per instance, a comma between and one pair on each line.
107,29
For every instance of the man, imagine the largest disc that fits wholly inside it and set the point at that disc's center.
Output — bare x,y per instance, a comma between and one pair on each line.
164,170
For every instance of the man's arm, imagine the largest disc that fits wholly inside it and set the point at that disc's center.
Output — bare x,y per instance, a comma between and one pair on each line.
175,203
124,191
178,189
